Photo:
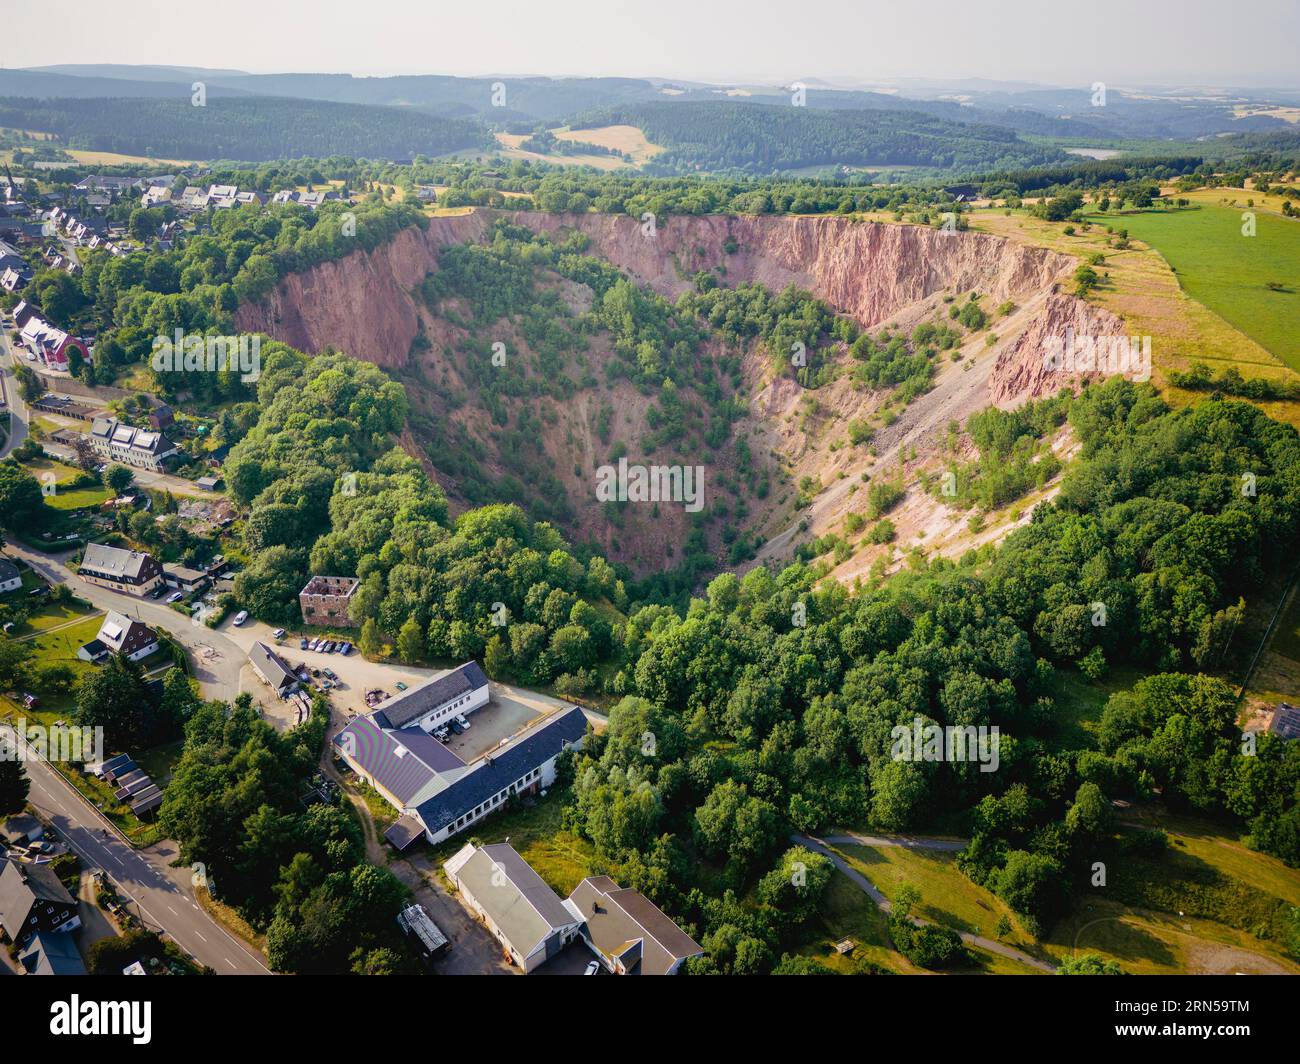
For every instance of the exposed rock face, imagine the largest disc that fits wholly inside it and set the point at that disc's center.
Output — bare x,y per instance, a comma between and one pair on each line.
1033,366
360,304
870,271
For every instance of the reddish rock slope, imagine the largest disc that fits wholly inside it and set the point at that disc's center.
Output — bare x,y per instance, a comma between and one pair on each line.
362,303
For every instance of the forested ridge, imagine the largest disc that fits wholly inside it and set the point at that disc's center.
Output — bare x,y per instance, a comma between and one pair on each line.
762,138
246,128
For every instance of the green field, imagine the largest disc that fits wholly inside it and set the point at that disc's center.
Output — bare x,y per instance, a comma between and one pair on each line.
1228,272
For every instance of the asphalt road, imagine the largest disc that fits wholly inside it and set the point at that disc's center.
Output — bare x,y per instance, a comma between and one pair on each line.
12,397
216,659
161,896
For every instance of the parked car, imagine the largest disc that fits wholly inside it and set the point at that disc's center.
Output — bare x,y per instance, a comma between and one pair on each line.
315,644
175,596
278,634
345,649
158,592
593,968
455,726
302,643
330,674
463,721
240,618
400,686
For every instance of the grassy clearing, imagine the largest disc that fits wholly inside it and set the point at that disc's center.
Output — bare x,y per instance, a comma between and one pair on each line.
510,149
112,158
1079,705
1207,905
1229,272
846,912
623,138
1141,288
947,896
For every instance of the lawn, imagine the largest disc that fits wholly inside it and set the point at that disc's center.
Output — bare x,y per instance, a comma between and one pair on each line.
1079,703
562,859
50,615
1229,272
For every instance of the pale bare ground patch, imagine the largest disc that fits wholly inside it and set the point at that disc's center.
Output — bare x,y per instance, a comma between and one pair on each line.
624,138
112,158
1242,198
1142,290
1211,958
510,149
903,448
1287,114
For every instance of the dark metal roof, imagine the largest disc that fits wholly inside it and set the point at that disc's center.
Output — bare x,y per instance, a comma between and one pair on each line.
495,774
271,666
402,762
52,954
418,701
404,832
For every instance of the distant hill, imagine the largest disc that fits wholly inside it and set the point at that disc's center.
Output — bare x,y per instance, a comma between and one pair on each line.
762,138
130,72
243,128
40,84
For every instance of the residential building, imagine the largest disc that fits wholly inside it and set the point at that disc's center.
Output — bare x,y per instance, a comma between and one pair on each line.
134,572
10,578
12,279
526,916
275,673
33,901
627,932
121,635
119,442
193,198
51,954
52,346
183,578
327,601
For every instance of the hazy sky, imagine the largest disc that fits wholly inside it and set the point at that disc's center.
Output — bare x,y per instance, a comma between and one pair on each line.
1249,42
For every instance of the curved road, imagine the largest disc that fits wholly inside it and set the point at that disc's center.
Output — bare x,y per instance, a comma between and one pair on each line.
161,895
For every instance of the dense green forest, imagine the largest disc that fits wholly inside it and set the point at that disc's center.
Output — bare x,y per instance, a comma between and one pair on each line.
762,723
249,128
761,138
772,698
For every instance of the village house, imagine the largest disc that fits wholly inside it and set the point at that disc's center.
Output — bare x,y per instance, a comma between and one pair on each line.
134,572
626,932
119,442
327,601
121,635
51,954
52,346
10,578
34,902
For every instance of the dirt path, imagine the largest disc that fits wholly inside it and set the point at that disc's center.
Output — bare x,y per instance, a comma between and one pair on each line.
885,906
